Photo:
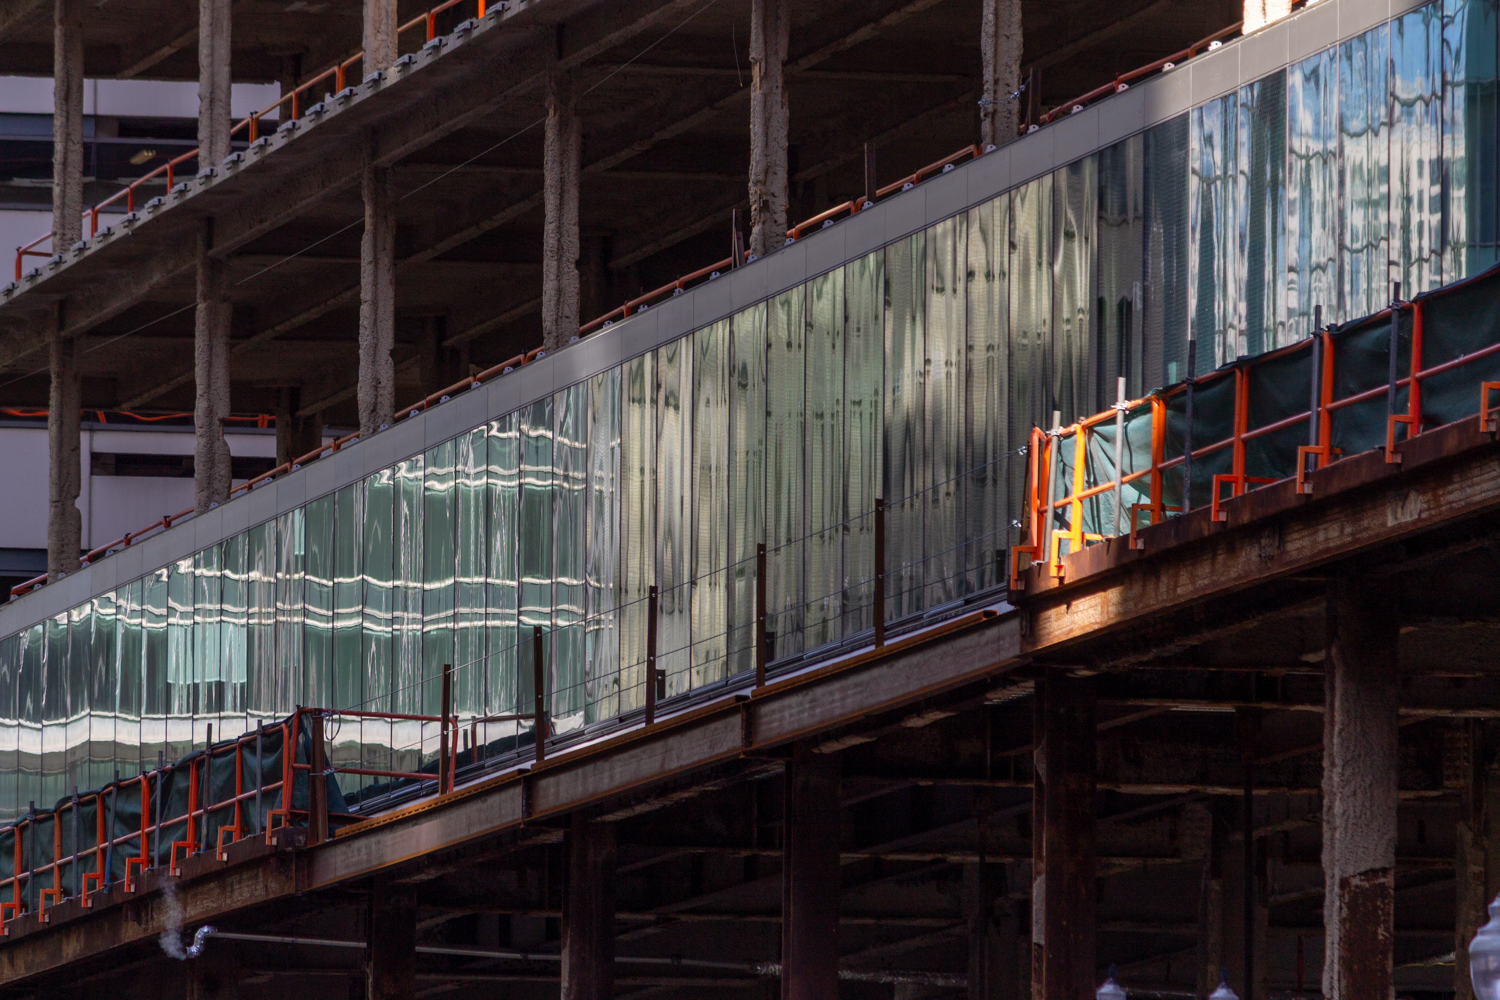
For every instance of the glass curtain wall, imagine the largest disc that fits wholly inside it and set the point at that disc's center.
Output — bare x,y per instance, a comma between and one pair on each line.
911,375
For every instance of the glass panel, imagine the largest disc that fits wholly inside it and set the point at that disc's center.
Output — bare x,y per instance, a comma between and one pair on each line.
104,691
1217,309
1262,243
602,533
54,710
1312,191
157,667
637,525
234,621
823,458
905,352
181,686
348,597
864,416
317,592
1074,214
747,478
131,648
1471,186
76,721
503,586
986,368
786,402
289,571
711,379
208,646
1166,262
437,581
944,472
1031,309
1122,247
535,533
260,638
1415,149
1364,100
29,700
10,730
408,692
471,542
379,604
570,486
674,510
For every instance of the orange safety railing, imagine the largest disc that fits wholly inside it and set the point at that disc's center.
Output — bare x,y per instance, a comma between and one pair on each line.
1055,515
95,848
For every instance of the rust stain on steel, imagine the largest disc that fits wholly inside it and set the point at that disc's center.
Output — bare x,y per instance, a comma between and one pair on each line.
1367,931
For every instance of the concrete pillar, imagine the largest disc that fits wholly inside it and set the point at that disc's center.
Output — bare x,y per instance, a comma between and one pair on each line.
1359,793
770,23
213,82
810,879
391,957
588,917
377,303
379,35
295,436
67,123
1063,848
1259,13
64,471
562,146
1000,46
211,468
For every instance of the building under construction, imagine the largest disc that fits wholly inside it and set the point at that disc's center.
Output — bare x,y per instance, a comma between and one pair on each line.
917,498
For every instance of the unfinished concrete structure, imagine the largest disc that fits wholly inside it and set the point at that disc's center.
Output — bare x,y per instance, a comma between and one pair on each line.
810,622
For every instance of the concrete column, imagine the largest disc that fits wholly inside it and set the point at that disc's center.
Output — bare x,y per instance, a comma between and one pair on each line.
377,304
211,467
810,879
391,957
1359,793
295,436
770,23
1066,758
379,35
1259,13
67,123
1000,45
588,917
64,471
213,82
561,149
